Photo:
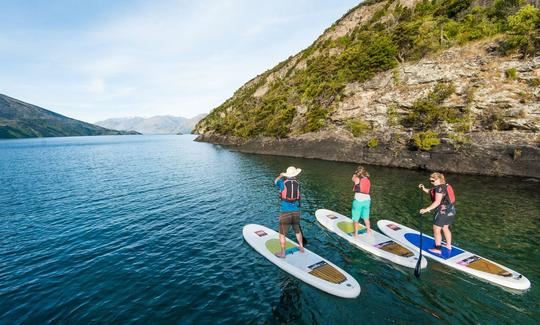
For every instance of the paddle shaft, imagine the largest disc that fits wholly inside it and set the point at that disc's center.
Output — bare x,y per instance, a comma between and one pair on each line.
304,239
417,267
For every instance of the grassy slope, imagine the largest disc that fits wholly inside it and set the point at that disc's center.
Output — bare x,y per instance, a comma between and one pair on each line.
22,120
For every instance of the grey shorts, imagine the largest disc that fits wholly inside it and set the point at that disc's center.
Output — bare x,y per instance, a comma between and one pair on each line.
287,219
445,215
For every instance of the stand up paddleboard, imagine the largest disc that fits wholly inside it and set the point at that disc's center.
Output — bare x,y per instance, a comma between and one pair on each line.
307,266
374,243
456,258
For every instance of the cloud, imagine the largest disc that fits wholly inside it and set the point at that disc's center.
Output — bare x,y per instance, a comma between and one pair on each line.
156,57
96,85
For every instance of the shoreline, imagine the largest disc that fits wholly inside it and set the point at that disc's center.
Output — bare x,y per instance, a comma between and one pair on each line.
499,158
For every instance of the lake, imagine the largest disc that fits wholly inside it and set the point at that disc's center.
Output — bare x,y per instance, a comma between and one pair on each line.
148,229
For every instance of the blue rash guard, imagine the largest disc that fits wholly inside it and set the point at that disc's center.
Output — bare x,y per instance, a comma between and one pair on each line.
287,206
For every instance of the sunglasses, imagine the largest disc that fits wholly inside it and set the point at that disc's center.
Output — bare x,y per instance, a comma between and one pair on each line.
432,181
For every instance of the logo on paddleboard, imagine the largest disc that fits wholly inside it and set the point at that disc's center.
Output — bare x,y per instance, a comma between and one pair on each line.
261,233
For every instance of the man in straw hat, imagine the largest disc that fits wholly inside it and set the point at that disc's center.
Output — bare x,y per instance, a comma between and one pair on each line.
289,189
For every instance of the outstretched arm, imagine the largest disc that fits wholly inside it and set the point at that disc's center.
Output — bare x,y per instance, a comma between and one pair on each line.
423,188
277,178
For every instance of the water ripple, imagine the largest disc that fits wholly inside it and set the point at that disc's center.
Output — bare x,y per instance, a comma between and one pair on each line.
148,229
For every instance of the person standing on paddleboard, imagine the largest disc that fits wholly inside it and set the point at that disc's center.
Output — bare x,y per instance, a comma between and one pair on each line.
289,194
361,203
442,199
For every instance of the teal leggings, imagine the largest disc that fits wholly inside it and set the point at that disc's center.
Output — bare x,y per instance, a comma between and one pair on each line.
360,209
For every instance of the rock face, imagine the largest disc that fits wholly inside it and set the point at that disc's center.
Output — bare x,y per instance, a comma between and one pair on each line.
480,84
22,120
498,97
495,158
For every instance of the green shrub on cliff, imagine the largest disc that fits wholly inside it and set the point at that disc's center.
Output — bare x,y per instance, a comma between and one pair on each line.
525,30
392,115
373,143
459,139
370,54
427,112
535,82
511,73
270,116
492,119
425,140
357,127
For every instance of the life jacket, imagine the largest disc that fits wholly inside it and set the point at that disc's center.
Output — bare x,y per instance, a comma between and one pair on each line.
363,186
448,196
291,190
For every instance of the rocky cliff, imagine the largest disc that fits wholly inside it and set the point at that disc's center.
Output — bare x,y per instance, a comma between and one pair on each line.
444,85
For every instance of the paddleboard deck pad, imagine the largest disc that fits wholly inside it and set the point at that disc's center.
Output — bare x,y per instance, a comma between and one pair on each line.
374,243
306,266
456,257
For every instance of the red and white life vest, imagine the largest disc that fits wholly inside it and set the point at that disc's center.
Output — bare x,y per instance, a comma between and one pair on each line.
448,196
291,190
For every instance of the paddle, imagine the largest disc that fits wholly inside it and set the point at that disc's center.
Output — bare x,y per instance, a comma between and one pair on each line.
417,267
304,239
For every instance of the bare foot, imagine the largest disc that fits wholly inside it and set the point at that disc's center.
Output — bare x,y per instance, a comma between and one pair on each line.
369,231
435,251
448,247
280,255
301,249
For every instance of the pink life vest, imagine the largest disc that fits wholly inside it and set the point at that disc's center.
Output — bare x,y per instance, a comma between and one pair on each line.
363,186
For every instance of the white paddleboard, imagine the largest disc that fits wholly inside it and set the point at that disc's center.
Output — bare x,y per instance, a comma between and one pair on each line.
307,266
456,258
374,243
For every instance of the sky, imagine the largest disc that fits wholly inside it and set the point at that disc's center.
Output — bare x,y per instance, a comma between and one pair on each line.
98,59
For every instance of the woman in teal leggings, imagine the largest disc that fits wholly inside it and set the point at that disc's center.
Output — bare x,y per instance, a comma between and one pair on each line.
362,200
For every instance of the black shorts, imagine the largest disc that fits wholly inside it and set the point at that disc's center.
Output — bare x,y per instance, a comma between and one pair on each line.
287,219
445,215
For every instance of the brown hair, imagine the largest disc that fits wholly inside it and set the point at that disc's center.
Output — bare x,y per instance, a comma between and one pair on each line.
361,171
439,176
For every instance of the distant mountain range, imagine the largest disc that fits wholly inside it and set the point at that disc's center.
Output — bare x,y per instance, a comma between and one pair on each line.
153,125
22,120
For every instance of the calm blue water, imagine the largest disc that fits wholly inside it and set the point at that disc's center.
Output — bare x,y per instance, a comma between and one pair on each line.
149,229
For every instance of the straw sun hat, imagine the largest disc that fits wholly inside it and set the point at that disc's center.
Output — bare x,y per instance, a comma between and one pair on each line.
292,171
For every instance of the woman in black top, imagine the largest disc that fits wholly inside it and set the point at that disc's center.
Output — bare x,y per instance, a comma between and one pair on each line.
442,197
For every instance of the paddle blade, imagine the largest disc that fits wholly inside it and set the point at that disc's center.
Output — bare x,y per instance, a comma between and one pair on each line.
417,267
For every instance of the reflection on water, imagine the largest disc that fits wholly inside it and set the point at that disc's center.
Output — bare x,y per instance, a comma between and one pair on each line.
289,307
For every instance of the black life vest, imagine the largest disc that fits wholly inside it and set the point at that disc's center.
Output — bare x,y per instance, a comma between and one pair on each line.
448,195
291,190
